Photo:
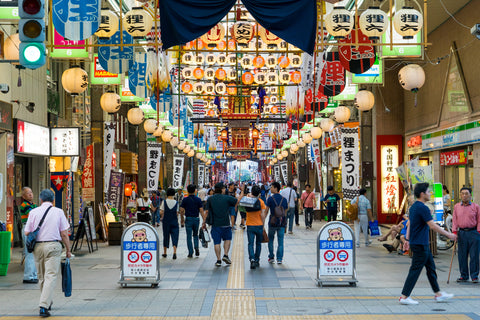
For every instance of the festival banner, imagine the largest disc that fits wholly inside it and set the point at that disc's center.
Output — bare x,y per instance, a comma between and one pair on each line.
154,154
112,58
109,144
137,82
76,20
115,190
284,170
178,171
277,173
201,175
88,176
350,163
316,157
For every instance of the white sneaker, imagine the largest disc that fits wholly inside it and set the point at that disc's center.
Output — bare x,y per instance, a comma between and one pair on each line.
444,297
407,301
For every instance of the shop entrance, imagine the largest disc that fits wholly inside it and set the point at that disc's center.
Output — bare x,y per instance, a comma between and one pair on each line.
456,177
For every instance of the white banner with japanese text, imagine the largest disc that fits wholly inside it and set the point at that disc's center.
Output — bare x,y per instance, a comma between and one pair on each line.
201,175
277,173
108,145
350,163
154,154
178,171
318,162
284,169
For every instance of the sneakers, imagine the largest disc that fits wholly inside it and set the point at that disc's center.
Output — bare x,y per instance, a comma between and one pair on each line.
253,265
197,252
44,312
407,301
190,256
227,260
444,296
218,263
290,232
271,260
475,280
279,262
30,281
461,279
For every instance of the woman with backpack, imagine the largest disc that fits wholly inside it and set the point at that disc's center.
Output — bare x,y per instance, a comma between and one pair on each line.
255,222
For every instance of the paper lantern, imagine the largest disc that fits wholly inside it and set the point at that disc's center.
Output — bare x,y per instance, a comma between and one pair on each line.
198,73
187,58
273,99
307,137
199,155
231,89
221,74
364,100
174,142
280,157
342,114
209,88
199,59
339,22
242,32
214,35
209,73
181,145
158,131
187,87
187,73
327,124
316,132
186,149
135,116
294,147
260,77
110,102
296,77
167,135
108,24
210,59
300,143
258,62
271,62
273,90
407,22
296,61
150,125
198,88
274,160
246,62
271,163
272,78
373,23
232,74
190,153
137,22
75,80
283,61
284,77
220,88
128,190
411,77
232,59
209,162
247,78
284,153
271,40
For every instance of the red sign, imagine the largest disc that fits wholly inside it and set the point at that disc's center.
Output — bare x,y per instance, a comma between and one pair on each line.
453,158
332,81
99,72
88,176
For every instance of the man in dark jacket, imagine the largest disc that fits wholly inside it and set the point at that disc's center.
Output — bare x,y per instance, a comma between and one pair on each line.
276,224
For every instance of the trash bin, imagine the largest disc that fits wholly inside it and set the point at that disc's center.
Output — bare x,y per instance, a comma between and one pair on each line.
5,243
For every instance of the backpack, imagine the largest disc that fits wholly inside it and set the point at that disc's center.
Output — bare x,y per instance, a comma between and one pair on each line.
352,211
278,214
250,204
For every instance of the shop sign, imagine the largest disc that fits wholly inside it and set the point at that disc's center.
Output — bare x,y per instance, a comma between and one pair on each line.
284,169
350,163
318,162
65,142
109,144
201,175
389,176
453,158
9,10
336,251
126,95
115,190
100,76
277,173
32,139
178,161
438,201
372,75
10,181
88,176
453,136
139,245
154,154
403,49
79,51
6,122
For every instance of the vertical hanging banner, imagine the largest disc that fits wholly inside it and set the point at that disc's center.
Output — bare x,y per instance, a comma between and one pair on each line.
88,176
201,175
115,190
137,76
318,162
74,19
108,146
332,78
277,173
206,180
178,171
113,59
284,169
154,154
350,163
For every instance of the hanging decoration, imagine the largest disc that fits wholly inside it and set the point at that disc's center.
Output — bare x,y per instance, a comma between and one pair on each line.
258,62
210,59
373,23
332,79
110,102
209,73
407,22
137,81
108,24
220,74
74,20
364,100
271,40
356,59
339,22
214,36
242,32
411,77
113,59
187,58
75,80
137,22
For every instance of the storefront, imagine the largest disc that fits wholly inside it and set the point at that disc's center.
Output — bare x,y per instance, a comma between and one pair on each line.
6,165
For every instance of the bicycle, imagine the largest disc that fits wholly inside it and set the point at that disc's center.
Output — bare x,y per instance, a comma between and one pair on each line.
444,243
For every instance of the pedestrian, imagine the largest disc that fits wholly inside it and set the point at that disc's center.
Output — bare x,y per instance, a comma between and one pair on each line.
29,270
218,216
190,210
202,194
276,224
143,207
155,208
466,221
291,196
169,216
296,207
417,240
179,198
231,191
364,215
307,203
255,222
332,199
48,249
446,200
263,193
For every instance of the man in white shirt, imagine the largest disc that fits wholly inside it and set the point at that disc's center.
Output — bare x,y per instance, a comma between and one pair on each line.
291,196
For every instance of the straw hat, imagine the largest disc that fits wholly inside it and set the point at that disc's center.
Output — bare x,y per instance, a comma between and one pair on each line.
145,193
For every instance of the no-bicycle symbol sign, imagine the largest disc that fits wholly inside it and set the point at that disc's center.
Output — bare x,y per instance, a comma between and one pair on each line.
133,257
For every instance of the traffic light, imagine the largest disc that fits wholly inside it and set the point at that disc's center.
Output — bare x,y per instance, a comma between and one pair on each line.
32,33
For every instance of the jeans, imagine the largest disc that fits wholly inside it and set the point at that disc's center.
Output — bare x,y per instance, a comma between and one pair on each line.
421,257
29,269
280,231
363,224
332,215
290,217
254,233
156,217
170,229
191,227
468,244
308,212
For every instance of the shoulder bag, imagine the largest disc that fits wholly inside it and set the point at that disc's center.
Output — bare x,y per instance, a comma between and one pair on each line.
32,236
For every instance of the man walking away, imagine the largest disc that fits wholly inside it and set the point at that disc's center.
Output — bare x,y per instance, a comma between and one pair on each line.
276,223
291,196
190,209
466,221
29,271
307,203
155,208
48,249
331,198
218,211
364,214
417,240
255,222
231,191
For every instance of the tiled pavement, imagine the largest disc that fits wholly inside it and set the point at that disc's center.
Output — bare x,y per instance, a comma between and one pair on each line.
196,289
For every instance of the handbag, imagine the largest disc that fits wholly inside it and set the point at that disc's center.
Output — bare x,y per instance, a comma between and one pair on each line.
265,236
66,278
32,236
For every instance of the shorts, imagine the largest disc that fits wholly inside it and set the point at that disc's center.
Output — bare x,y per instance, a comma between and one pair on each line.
221,233
232,211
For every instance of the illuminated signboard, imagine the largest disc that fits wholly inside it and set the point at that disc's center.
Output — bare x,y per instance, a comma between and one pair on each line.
32,139
98,75
372,75
389,176
9,10
65,142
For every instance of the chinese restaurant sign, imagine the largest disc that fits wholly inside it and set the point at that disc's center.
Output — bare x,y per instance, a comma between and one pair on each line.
453,158
88,178
65,142
154,153
389,178
350,163
178,171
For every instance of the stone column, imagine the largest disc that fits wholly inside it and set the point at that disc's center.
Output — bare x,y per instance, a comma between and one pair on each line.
437,169
476,172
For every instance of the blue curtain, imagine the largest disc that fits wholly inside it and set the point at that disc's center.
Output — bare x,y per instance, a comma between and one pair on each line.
292,20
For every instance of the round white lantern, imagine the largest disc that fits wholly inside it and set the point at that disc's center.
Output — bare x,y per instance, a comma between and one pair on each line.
260,77
232,74
110,102
364,100
316,132
271,61
220,88
272,78
209,73
407,22
187,149
11,45
137,22
135,116
199,59
199,155
339,22
279,157
271,162
174,142
209,88
294,147
307,138
284,153
373,23
342,114
191,153
232,59
300,143
327,124
75,80
296,61
150,125
274,160
210,59
187,58
284,77
167,135
198,88
246,62
221,59
108,24
411,77
209,162
181,145
158,131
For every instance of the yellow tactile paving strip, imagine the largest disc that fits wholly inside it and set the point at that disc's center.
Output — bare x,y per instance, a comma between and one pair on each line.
236,275
238,304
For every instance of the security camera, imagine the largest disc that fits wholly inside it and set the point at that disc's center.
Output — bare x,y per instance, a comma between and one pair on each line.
476,30
30,107
4,88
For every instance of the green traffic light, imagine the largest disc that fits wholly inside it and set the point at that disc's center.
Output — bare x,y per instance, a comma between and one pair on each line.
32,53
